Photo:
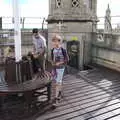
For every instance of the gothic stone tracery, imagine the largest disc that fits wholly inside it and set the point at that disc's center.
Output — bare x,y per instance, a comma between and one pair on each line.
58,3
75,3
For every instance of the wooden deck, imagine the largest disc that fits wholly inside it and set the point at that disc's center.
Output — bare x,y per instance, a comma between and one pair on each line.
88,95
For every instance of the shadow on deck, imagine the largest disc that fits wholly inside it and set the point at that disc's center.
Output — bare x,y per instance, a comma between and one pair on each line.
88,95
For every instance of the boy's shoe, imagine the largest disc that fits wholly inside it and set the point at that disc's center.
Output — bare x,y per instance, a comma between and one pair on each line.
55,104
60,95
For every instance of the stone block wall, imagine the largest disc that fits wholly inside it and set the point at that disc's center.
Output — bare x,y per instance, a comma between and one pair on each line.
83,33
107,52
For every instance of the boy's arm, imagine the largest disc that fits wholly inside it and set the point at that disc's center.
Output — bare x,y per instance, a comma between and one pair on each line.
59,63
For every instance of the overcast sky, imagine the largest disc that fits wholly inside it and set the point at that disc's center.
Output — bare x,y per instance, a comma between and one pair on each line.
39,8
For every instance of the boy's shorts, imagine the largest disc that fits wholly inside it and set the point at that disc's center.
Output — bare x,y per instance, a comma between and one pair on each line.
59,75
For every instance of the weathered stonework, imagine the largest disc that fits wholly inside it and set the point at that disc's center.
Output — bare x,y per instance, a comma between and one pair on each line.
77,21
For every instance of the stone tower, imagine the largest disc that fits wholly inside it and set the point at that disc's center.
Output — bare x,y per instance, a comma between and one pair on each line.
73,20
107,24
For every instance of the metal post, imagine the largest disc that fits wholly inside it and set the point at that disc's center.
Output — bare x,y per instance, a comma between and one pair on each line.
23,22
43,24
17,31
0,23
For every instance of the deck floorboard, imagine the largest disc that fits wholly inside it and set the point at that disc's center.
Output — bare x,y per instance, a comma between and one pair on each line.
92,95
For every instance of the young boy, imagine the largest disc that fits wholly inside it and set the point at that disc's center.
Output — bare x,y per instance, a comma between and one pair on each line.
59,60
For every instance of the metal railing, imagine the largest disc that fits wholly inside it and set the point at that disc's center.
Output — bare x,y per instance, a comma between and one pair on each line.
40,22
7,33
26,22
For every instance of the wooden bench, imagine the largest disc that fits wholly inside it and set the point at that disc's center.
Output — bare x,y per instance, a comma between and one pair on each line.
23,83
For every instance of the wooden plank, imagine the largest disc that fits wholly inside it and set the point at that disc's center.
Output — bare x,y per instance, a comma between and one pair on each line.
67,111
114,118
82,99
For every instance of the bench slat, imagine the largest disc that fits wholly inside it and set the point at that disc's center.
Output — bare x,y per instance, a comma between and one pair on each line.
26,86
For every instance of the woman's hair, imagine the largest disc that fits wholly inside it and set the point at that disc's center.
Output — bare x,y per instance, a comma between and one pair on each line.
57,37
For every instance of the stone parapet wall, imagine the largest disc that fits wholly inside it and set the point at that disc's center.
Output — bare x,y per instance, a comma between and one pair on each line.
107,51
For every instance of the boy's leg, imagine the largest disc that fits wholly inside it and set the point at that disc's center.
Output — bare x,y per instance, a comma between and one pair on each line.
58,87
60,95
57,90
59,78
